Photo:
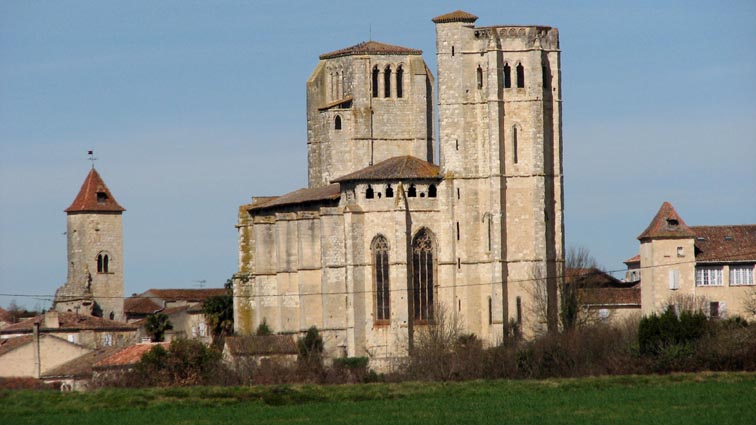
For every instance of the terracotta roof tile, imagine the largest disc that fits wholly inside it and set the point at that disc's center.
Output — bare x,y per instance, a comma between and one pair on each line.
456,16
94,195
396,168
140,305
128,356
259,345
635,259
82,365
68,321
192,295
611,296
371,48
9,344
667,224
725,243
301,196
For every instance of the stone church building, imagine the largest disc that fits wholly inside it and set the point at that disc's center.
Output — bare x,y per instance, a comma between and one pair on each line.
386,235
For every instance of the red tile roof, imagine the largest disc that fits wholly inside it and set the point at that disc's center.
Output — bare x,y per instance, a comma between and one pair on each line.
173,295
371,48
9,344
88,200
68,321
635,259
456,16
140,305
128,356
725,243
301,196
396,168
667,224
608,297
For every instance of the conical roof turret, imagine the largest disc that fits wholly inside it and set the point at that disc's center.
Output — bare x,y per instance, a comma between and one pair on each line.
94,196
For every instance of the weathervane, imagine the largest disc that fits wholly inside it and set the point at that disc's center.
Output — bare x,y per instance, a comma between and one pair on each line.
91,157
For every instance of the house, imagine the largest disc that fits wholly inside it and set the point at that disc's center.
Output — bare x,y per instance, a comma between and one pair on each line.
605,297
35,354
115,365
76,375
89,331
706,267
386,235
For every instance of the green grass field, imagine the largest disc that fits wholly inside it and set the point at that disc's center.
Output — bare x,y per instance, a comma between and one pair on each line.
716,398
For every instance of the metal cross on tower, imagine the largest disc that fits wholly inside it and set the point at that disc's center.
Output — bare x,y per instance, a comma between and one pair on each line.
91,157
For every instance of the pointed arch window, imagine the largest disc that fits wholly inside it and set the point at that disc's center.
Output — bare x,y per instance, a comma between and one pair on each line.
412,191
507,76
387,81
337,123
375,81
520,76
103,263
389,191
380,250
399,81
432,191
423,275
369,193
479,74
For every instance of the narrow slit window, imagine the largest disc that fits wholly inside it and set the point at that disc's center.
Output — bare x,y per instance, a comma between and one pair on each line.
399,81
458,195
507,76
337,123
452,50
375,81
490,311
479,74
387,82
519,311
514,144
520,76
457,230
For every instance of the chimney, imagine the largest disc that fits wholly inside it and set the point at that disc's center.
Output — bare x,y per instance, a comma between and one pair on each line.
37,360
51,320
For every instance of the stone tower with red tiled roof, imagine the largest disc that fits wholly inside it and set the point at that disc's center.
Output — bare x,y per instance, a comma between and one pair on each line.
95,253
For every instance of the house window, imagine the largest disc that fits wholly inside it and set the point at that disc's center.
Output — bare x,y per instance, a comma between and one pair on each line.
479,74
412,192
507,76
432,191
369,193
520,76
674,279
381,278
375,81
202,329
423,276
387,82
709,276
337,123
680,251
741,275
103,263
389,191
107,340
399,81
714,310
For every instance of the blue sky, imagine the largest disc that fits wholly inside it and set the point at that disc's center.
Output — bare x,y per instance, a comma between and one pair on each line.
193,107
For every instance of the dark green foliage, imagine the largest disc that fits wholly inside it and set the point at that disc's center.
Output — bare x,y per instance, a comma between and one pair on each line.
156,325
657,333
263,329
219,315
351,363
185,362
311,345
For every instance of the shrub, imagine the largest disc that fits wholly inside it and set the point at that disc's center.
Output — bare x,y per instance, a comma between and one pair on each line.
656,333
185,362
263,329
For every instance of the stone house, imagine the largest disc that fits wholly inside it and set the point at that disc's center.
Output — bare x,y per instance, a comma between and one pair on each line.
76,375
386,235
707,267
89,331
34,355
605,298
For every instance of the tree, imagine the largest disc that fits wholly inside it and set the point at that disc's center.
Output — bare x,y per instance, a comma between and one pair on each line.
156,325
219,314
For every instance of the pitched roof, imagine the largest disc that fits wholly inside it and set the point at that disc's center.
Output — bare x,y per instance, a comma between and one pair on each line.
9,344
140,305
667,224
396,168
371,48
301,196
725,243
172,295
611,296
260,345
634,259
456,16
82,365
68,321
5,315
128,356
94,195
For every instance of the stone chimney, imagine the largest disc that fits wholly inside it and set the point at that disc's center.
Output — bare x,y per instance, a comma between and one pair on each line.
51,320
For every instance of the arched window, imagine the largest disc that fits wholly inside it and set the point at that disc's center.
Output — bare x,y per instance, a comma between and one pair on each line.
412,192
399,81
369,193
520,76
380,250
507,76
514,144
423,275
102,263
387,81
389,191
432,191
479,74
375,81
337,123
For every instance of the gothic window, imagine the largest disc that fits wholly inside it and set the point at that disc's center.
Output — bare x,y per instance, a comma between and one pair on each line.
479,74
507,76
389,191
375,81
520,76
514,144
399,81
381,278
102,263
369,193
423,268
387,81
412,191
432,191
337,123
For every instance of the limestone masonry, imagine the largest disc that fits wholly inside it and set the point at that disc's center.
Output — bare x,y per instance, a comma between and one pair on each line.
386,236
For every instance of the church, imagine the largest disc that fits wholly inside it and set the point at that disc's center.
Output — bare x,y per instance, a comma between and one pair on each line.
386,236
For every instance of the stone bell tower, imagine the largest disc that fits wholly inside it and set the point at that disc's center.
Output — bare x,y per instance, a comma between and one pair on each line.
95,253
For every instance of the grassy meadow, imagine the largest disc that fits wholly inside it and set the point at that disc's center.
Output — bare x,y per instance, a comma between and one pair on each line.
716,398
